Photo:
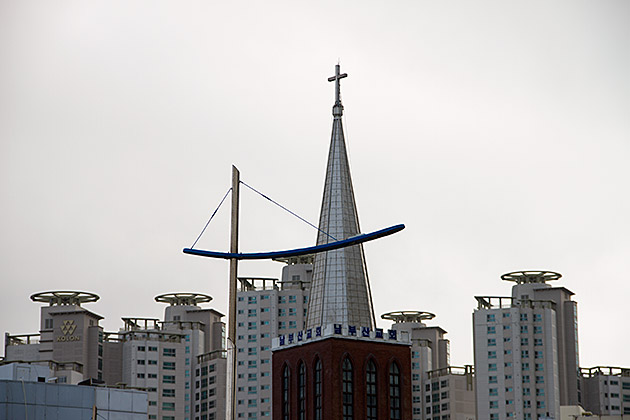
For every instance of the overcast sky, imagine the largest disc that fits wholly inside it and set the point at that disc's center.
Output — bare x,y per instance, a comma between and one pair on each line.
497,131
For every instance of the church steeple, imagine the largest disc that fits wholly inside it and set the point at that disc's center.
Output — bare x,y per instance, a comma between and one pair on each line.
340,291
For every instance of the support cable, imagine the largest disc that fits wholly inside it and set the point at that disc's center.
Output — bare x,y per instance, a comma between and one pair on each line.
210,219
286,209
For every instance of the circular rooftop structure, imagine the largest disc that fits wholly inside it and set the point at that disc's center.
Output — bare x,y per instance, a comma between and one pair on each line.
183,299
65,297
408,316
531,276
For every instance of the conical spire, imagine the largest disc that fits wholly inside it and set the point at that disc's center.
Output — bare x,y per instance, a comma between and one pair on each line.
340,292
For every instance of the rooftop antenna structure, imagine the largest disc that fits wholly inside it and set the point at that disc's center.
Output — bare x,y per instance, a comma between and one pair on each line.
234,256
65,297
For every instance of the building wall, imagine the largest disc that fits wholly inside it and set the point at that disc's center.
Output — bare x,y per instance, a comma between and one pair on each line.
264,312
34,400
606,390
516,369
331,352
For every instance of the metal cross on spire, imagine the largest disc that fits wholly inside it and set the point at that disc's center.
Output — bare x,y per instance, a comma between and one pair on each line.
337,108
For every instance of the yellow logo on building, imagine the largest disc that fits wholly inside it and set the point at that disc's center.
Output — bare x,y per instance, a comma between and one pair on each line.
68,328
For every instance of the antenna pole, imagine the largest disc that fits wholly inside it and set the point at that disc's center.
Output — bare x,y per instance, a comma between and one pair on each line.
232,352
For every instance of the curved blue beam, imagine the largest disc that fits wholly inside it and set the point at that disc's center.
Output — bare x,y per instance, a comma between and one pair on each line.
298,251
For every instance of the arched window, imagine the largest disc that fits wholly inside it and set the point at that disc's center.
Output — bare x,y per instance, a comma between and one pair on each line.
347,389
301,392
317,390
370,391
285,393
394,391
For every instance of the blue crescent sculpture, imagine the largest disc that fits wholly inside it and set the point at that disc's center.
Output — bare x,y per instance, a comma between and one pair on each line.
355,240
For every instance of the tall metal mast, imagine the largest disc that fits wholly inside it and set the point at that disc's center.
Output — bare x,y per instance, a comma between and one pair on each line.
232,352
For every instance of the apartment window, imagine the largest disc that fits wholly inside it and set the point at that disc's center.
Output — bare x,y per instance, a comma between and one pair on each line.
141,348
540,379
490,318
539,367
526,392
540,392
292,324
241,298
507,327
152,348
292,299
523,329
152,375
252,403
493,392
538,329
251,325
152,362
251,364
292,312
492,329
251,351
394,392
523,317
506,314
140,375
240,311
282,299
251,376
524,342
507,352
251,338
264,309
168,366
494,404
347,389
264,335
48,324
370,384
492,379
141,362
525,379
524,354
282,325
168,406
509,389
285,393
168,392
264,297
301,391
537,317
492,355
540,404
525,366
492,342
264,322
251,299
538,342
251,312
527,404
507,339
492,367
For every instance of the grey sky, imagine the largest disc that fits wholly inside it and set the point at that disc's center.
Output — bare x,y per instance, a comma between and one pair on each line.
498,132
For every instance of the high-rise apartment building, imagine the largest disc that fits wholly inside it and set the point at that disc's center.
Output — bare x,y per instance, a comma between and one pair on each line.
606,390
526,358
179,361
266,308
439,390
